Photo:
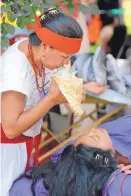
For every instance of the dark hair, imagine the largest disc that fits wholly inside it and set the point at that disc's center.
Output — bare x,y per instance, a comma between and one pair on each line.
107,19
79,171
59,23
117,40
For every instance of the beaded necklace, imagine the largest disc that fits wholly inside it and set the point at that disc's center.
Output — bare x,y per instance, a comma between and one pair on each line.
39,71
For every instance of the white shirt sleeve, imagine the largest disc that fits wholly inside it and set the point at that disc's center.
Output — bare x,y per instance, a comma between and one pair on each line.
15,73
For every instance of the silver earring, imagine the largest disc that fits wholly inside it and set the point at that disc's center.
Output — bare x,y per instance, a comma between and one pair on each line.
106,160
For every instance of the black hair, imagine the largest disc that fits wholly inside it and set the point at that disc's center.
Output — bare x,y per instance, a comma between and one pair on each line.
59,23
79,171
107,20
117,40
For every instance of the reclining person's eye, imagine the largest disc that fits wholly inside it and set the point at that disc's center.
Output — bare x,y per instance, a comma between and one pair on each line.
96,137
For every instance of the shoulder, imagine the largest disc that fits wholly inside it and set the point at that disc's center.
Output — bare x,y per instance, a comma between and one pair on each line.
15,65
121,182
13,56
13,59
18,190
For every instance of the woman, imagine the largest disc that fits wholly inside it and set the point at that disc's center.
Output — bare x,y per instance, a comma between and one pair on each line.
87,168
27,68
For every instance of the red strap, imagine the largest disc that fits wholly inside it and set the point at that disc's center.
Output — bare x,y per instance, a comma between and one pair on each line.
37,141
19,139
30,141
29,147
16,38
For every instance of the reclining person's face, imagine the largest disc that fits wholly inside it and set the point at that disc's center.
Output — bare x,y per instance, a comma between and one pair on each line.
97,138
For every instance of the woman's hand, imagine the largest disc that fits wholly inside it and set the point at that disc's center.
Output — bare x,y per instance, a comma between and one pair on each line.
95,87
55,94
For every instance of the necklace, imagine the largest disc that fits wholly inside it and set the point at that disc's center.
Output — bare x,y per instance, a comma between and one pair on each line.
38,71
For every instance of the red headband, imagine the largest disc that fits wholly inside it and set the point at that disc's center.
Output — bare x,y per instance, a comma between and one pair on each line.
61,43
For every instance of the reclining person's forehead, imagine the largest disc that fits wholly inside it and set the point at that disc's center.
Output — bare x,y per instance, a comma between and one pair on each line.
98,138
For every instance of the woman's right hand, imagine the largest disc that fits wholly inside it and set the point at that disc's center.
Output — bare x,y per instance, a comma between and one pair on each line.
95,87
55,94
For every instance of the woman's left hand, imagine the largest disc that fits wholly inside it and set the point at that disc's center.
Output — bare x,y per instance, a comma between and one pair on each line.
95,87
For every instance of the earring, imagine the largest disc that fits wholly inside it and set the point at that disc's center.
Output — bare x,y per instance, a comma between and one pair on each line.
98,156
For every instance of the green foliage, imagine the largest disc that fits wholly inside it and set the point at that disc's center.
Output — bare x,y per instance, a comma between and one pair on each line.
23,11
71,8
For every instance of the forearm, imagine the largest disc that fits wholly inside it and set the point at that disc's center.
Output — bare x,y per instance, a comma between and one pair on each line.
28,118
123,160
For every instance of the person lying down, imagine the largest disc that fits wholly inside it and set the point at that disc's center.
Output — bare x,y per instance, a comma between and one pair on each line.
87,167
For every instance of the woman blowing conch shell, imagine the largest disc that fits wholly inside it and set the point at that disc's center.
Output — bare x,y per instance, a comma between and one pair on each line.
27,94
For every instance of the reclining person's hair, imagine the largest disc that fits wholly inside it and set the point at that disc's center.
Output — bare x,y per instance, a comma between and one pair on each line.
79,171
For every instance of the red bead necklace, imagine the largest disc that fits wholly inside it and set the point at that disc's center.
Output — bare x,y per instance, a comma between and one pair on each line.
38,71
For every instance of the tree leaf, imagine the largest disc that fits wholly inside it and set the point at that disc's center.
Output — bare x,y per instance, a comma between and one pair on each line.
50,2
71,8
20,22
4,9
67,1
83,8
27,20
3,31
26,10
93,9
9,28
36,3
4,42
11,16
44,5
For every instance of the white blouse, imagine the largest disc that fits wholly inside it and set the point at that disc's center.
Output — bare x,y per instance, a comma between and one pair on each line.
17,74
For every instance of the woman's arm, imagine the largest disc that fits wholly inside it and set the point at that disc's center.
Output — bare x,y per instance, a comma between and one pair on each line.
121,159
15,120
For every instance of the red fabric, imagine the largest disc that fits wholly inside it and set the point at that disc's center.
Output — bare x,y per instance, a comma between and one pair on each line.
29,145
17,38
94,29
37,140
61,43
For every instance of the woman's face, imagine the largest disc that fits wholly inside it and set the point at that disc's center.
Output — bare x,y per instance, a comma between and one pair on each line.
52,58
97,138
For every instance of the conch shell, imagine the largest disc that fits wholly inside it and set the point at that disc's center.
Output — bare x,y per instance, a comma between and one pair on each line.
71,87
